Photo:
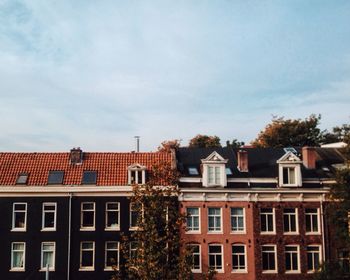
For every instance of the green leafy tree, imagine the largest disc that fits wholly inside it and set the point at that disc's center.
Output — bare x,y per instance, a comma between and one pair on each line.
158,251
338,134
234,143
288,132
204,141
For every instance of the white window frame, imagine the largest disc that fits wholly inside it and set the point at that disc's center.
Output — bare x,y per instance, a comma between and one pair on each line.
110,268
137,168
192,217
289,215
18,269
43,228
292,252
14,228
319,256
87,228
112,228
309,215
237,216
275,255
131,227
215,254
214,216
87,268
42,268
297,173
197,270
245,270
273,220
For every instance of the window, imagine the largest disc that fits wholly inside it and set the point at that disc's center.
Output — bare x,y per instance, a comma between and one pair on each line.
267,217
196,257
290,220
49,216
18,254
111,255
22,178
134,215
133,250
269,258
55,177
214,175
292,258
89,177
289,176
19,217
193,170
87,255
48,255
192,218
344,260
87,216
239,261
214,219
215,257
313,257
312,220
237,220
136,174
112,216
228,171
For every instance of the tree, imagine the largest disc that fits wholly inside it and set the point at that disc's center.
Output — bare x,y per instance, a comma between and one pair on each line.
289,132
158,252
234,143
338,134
168,145
204,141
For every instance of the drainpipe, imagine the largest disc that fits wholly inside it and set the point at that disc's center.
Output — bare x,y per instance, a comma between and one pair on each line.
322,228
69,233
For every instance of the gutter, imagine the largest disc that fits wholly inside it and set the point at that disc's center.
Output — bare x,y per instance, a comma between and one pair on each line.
69,234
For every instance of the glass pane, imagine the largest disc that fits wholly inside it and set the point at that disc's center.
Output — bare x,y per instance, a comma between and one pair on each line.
214,249
55,177
87,245
88,219
112,219
17,259
49,220
292,175
89,177
87,258
20,219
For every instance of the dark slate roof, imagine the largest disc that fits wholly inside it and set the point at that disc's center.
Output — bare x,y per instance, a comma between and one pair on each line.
262,162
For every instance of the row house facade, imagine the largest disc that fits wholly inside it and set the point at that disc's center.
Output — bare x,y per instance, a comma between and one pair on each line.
251,213
257,213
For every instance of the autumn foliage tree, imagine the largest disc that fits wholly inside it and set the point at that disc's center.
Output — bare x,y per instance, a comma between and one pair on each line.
157,249
168,145
204,141
289,132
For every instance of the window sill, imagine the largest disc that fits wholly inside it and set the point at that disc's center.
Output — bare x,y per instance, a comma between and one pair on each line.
110,269
17,270
269,271
291,233
238,232
196,270
215,232
87,229
112,229
293,272
48,229
193,232
239,271
268,233
18,230
87,269
44,269
312,233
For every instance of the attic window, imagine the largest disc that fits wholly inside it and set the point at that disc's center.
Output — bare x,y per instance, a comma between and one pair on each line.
55,177
22,178
289,176
228,171
193,171
89,177
136,174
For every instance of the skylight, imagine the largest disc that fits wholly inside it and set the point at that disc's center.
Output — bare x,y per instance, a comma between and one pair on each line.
193,170
55,177
228,171
89,177
22,178
290,149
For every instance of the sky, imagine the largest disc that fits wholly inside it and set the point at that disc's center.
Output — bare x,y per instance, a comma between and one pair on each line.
93,74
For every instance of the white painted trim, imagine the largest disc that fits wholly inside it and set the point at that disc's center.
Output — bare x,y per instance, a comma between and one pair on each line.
25,216
222,257
245,259
275,253
42,268
109,268
244,231
87,268
18,269
298,259
82,227
116,228
199,221
43,228
200,258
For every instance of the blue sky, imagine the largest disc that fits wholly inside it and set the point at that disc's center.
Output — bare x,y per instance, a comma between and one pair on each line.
95,73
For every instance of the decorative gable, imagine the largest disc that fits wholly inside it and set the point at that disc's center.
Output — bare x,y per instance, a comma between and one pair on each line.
214,174
289,170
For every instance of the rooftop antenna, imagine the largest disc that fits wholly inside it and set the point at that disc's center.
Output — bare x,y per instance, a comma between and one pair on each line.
137,143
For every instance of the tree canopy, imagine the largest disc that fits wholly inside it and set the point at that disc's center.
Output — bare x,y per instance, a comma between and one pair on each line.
167,145
204,141
290,132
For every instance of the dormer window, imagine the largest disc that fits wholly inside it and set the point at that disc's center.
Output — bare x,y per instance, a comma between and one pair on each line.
214,171
192,170
136,174
289,176
289,170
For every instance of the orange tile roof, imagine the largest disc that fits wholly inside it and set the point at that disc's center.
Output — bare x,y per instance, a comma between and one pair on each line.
111,167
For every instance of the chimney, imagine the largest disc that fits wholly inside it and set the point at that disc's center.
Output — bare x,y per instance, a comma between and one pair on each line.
309,157
137,143
76,156
242,159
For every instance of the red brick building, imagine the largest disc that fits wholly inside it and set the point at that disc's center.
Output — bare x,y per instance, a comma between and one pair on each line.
256,213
